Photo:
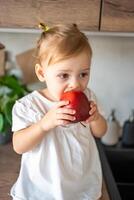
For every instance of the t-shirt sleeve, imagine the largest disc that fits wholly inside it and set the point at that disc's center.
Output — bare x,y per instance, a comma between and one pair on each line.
23,116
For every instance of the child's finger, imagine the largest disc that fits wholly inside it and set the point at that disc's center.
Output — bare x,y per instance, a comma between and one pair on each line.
66,111
89,119
62,122
65,117
93,110
92,104
61,103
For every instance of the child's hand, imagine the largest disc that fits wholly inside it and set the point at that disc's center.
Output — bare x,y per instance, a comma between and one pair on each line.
94,113
58,115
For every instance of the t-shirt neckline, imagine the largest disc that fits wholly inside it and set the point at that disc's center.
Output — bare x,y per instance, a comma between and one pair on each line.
36,92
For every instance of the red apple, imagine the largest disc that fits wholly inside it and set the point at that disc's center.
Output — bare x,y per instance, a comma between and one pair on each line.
79,102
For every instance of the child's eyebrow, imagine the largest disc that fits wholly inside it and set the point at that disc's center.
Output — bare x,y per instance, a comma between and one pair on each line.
64,70
86,69
68,70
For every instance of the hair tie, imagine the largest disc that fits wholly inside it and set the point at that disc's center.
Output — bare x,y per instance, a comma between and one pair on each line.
44,27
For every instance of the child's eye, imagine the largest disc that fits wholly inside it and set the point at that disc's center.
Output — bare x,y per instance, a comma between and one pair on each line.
63,76
83,75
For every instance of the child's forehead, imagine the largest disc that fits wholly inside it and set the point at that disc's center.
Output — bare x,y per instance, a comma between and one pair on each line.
73,63
80,59
61,59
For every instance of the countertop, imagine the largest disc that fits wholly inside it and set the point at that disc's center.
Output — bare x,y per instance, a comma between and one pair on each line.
9,169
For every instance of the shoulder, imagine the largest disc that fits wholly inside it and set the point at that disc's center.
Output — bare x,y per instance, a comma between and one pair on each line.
31,101
24,101
27,110
27,98
23,104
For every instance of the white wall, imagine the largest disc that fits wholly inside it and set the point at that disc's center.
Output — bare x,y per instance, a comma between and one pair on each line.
112,74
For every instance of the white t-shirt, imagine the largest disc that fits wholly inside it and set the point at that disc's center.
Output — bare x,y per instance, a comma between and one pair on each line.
64,166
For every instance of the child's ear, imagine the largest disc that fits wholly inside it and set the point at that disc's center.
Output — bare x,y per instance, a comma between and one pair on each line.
39,72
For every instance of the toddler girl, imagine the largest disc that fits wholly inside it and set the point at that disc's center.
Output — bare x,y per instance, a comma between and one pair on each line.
60,160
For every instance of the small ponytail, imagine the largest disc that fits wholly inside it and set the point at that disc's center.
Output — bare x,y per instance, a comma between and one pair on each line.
43,27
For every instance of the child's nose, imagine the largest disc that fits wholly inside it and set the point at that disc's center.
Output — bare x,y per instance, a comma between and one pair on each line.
74,84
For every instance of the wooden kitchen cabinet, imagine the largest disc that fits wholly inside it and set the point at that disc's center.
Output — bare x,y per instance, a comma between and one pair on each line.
90,15
27,14
117,15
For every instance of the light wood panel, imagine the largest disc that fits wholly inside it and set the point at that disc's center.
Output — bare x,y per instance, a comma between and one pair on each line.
27,14
117,15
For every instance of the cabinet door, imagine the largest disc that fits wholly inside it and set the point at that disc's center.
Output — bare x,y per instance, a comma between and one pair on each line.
117,15
27,14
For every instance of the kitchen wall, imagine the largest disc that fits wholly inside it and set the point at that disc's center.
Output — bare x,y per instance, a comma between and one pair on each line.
112,73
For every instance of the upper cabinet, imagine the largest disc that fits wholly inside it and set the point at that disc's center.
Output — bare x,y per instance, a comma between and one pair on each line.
90,15
27,14
117,15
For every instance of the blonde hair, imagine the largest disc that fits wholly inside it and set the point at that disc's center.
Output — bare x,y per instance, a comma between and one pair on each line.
61,42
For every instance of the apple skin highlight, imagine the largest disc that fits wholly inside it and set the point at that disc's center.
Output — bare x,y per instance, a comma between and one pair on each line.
79,102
